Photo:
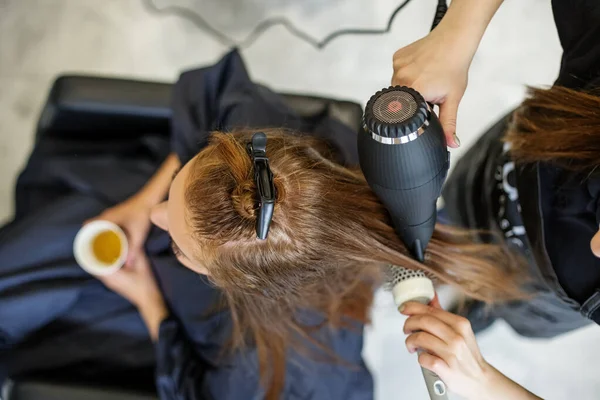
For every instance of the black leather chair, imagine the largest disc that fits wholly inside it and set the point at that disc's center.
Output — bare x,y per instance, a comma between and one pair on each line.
85,107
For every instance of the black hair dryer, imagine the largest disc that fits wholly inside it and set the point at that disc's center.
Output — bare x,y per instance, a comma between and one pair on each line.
403,155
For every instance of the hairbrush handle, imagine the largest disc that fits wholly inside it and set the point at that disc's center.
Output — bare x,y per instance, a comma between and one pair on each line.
409,285
435,386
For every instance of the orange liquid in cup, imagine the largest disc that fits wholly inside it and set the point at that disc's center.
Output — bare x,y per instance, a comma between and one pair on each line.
107,247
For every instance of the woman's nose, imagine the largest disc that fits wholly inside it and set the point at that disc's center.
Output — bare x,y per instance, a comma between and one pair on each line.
158,216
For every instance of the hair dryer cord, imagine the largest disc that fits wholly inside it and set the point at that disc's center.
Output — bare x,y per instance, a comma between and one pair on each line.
266,24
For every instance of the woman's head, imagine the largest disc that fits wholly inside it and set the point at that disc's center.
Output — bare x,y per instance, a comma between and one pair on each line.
325,214
327,242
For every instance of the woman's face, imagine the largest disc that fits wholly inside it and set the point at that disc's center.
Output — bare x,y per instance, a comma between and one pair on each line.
170,216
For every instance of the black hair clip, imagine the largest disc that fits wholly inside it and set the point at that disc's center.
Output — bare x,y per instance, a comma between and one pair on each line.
263,177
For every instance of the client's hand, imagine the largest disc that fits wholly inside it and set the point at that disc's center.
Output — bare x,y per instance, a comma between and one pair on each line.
136,283
133,216
451,351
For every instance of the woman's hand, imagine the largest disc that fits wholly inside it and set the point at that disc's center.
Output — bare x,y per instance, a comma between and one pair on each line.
451,351
133,216
136,283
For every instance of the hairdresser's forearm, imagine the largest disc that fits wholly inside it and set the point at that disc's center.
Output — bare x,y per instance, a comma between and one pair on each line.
467,20
156,189
499,387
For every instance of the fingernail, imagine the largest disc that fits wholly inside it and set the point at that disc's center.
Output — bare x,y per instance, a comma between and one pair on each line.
401,308
456,140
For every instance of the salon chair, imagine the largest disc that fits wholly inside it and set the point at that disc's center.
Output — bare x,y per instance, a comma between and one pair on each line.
86,107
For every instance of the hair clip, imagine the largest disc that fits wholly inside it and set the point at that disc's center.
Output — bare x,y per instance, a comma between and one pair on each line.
263,177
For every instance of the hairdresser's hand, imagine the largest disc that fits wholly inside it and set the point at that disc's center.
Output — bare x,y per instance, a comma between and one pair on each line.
133,216
451,351
449,345
437,66
136,283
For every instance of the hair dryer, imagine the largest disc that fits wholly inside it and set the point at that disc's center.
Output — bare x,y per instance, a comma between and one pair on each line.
403,155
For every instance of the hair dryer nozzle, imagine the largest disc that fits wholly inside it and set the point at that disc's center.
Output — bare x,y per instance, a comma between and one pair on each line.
416,237
418,251
403,155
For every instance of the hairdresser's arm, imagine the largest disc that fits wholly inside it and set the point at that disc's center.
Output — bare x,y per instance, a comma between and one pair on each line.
133,215
438,65
450,350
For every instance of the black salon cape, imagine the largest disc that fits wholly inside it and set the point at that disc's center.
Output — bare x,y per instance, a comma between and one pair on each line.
53,315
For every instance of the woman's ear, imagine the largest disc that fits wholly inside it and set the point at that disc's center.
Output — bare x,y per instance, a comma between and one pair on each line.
595,244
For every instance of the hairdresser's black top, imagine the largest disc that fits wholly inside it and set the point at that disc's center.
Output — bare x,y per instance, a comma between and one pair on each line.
547,212
571,204
578,25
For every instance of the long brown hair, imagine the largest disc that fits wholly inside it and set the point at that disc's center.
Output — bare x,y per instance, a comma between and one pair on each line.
559,126
329,238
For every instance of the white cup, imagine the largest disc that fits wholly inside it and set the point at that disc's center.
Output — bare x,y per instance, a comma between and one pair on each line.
84,253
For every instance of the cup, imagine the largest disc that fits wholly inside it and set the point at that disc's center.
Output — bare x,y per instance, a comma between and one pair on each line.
100,247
